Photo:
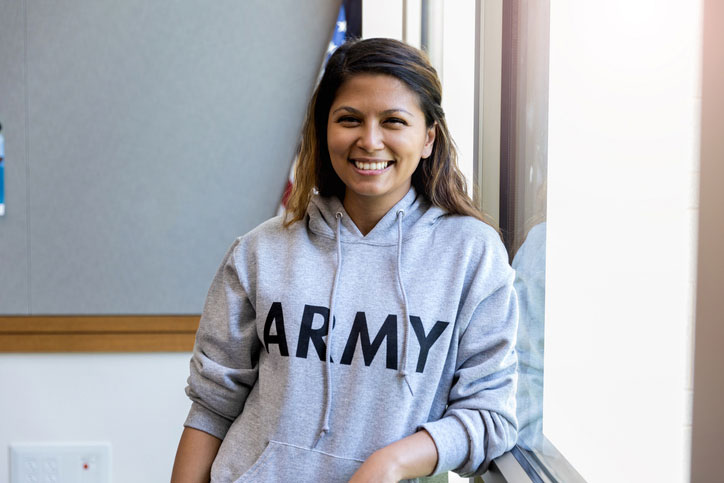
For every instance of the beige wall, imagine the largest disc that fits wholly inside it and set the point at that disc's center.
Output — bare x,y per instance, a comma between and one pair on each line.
708,418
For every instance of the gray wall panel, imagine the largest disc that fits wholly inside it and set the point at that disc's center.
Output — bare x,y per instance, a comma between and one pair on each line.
14,282
158,134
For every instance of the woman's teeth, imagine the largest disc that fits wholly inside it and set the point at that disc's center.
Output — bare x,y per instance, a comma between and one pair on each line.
371,166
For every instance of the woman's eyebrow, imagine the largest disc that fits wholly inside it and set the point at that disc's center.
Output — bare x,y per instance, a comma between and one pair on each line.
386,112
348,109
395,110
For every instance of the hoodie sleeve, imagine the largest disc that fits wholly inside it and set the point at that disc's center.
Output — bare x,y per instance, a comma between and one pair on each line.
224,360
479,423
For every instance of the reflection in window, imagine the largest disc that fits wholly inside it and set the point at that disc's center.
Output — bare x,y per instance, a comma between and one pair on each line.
523,174
523,194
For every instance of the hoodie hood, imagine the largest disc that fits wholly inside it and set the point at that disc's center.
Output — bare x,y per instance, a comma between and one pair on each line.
419,216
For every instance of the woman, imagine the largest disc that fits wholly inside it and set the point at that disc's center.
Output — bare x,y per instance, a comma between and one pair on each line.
416,375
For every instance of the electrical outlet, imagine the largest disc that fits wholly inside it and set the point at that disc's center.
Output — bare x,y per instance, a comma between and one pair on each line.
60,463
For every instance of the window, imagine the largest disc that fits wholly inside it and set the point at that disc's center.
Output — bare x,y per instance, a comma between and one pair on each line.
599,124
584,150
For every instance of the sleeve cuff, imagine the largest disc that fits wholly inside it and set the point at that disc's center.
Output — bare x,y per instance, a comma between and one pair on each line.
207,421
451,440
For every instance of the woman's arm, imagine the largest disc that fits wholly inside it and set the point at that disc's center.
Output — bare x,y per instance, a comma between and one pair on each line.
222,370
410,457
196,451
479,422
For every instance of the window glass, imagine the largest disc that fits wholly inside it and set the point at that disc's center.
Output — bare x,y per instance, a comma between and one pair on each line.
523,182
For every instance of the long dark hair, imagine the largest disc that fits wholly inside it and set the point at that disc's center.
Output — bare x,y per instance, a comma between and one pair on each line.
437,177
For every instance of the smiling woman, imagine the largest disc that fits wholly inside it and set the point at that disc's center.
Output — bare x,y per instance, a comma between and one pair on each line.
376,135
408,73
381,250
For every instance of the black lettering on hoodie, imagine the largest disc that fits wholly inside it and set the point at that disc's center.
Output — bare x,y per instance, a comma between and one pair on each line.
369,349
307,333
426,341
276,316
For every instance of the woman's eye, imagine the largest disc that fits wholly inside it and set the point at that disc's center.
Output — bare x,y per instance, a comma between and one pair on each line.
396,120
347,120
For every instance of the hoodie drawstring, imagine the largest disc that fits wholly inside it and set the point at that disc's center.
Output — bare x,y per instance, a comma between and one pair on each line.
402,372
403,365
330,323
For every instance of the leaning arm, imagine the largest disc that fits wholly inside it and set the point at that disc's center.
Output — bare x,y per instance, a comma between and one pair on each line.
410,457
195,454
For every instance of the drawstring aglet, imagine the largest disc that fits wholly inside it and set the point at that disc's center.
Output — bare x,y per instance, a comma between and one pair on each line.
403,375
321,435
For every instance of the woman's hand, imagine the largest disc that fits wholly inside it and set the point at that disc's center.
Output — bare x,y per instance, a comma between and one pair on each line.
379,468
410,457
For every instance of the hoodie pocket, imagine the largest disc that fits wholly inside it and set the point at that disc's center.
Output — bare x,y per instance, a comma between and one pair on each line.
287,462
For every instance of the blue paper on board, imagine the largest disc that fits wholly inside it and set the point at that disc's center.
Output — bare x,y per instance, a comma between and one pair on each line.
2,175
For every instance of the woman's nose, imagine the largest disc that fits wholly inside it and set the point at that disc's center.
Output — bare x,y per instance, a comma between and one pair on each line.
370,139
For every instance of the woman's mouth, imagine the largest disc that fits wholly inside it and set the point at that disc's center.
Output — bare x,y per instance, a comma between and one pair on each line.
371,166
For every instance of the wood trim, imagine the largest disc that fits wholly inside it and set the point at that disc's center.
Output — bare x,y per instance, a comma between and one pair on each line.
113,333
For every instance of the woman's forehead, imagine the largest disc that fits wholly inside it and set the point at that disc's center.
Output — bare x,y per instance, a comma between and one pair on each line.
376,90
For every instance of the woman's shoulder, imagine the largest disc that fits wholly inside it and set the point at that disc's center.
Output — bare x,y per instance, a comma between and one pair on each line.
270,230
266,239
474,240
469,228
269,233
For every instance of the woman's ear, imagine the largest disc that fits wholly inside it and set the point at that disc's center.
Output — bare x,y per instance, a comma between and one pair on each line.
429,141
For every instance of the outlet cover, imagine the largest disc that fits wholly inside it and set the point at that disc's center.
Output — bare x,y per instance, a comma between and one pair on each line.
60,462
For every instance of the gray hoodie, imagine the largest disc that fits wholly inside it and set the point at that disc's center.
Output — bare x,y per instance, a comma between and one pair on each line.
424,330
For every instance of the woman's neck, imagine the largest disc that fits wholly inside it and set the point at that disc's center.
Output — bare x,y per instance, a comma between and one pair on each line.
366,212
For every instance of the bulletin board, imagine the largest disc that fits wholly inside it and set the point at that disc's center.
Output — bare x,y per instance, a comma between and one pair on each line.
141,138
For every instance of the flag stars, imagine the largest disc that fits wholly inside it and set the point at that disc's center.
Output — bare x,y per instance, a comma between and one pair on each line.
342,26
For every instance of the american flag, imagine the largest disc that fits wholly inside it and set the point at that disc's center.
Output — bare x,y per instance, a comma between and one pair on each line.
338,38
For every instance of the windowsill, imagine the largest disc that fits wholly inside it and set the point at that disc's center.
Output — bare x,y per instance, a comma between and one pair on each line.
544,465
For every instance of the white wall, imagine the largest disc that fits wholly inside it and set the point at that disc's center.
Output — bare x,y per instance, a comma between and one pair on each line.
134,401
458,85
622,174
382,18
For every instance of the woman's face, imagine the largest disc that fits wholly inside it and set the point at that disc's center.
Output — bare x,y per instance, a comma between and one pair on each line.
376,136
